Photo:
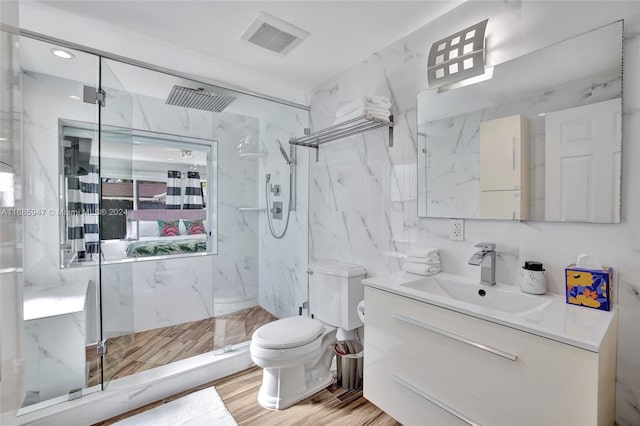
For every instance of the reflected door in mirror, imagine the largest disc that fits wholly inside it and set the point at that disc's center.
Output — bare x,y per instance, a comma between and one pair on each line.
582,157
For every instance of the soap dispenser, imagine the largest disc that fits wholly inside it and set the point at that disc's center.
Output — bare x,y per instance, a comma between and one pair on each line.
532,279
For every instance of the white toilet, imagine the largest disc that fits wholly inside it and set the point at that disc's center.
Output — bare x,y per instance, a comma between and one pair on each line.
296,352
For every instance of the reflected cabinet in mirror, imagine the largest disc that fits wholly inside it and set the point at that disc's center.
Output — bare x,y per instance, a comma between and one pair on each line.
541,140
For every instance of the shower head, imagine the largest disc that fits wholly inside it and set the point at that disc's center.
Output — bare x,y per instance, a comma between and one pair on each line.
198,99
283,152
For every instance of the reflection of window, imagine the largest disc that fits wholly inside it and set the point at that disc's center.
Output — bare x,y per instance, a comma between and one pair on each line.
7,196
137,171
117,198
151,195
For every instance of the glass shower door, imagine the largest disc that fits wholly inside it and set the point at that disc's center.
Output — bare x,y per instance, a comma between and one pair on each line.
115,171
59,260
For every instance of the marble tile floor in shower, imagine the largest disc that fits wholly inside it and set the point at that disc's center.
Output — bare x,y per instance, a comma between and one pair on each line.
130,354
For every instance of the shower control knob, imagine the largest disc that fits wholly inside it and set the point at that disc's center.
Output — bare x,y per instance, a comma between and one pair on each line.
276,210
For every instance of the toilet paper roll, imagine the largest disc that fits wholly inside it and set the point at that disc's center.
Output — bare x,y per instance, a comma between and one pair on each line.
360,310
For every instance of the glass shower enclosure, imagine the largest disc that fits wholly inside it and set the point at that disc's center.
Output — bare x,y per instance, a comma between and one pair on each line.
151,242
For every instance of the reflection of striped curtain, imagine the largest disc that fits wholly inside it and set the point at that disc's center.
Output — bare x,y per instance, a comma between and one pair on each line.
82,219
193,192
173,190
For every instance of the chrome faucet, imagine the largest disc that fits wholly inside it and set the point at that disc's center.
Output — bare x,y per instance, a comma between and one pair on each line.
486,259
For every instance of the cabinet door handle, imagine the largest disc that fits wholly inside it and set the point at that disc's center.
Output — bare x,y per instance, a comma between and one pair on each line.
434,401
470,342
513,153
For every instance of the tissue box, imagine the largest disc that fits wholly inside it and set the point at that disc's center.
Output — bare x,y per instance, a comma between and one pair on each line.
589,287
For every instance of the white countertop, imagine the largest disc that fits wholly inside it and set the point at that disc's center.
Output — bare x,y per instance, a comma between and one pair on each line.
574,325
49,301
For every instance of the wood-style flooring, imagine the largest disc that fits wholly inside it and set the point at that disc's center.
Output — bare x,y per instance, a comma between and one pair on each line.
138,352
331,406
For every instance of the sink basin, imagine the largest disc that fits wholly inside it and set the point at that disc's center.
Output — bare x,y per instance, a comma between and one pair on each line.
499,297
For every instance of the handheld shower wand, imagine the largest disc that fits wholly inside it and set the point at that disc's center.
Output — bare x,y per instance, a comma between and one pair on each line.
283,152
291,161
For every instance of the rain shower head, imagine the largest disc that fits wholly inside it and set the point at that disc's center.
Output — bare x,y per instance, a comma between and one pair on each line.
283,152
198,99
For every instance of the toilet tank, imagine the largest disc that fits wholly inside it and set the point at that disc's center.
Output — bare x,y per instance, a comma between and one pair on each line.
334,292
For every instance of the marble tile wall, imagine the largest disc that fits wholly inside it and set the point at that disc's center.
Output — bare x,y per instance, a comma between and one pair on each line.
283,262
355,217
236,267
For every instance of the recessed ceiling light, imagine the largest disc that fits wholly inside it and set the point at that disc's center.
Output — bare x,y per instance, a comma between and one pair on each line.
74,97
542,114
4,139
61,53
170,159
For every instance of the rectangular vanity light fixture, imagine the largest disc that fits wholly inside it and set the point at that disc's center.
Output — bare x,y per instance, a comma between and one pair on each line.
457,57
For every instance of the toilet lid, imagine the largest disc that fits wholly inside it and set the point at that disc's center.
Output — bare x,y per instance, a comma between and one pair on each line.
288,333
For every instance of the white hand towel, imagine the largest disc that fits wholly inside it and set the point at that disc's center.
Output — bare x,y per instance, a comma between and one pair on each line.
364,108
368,102
379,114
431,260
422,252
420,268
383,112
378,100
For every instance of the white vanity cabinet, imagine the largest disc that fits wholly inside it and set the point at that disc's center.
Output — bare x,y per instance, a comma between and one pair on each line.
427,365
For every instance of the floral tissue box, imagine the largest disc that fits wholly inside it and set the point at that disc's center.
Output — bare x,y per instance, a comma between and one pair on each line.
589,287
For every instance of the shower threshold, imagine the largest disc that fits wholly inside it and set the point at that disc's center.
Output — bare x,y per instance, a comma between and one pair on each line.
134,389
162,346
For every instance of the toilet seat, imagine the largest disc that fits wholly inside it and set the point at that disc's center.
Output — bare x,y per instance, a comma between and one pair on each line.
288,333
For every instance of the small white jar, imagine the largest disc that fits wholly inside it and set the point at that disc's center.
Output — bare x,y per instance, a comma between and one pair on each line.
532,279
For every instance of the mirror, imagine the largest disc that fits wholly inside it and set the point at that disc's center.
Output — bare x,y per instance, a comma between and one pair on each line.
152,195
541,140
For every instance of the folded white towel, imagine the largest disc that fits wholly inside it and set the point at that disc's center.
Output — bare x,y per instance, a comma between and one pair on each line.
379,114
431,260
420,268
365,102
378,100
422,252
368,110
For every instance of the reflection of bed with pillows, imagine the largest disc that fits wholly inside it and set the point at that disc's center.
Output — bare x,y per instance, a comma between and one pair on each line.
156,246
167,237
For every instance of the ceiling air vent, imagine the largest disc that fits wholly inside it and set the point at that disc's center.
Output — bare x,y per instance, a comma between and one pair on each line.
274,34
